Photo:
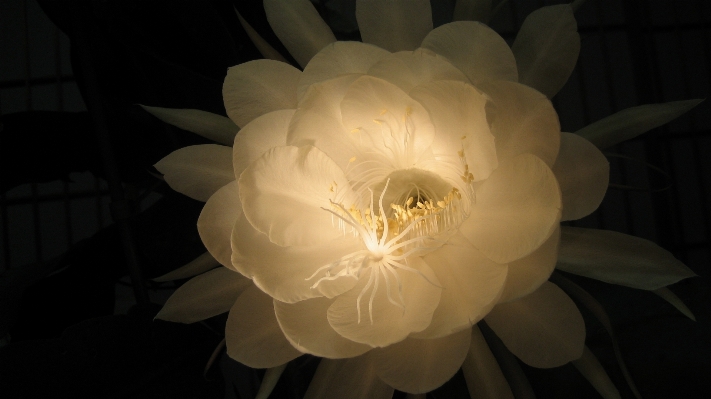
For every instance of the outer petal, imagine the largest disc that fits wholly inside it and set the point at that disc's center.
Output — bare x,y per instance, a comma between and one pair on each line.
305,325
199,265
211,126
475,49
482,372
197,171
421,365
528,273
352,378
253,335
216,220
516,209
544,329
407,69
471,285
522,121
472,10
285,194
258,136
394,25
583,173
204,296
299,27
389,323
337,59
258,87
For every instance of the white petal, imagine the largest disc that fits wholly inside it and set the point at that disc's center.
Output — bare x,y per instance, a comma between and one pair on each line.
258,87
352,378
299,27
546,48
211,126
482,372
197,171
199,265
394,25
216,220
407,69
472,10
421,365
583,174
253,335
258,136
544,329
475,49
204,296
262,45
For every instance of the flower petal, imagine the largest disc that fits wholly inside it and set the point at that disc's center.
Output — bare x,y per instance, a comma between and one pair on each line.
389,323
253,335
352,378
204,296
199,265
528,273
618,258
523,121
216,220
471,285
482,372
211,126
472,10
546,48
421,365
583,173
305,325
258,136
407,69
299,27
544,329
258,87
197,171
394,25
592,370
475,49
337,59
516,209
285,194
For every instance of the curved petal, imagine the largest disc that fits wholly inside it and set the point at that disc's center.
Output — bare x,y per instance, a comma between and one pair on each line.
258,87
258,136
472,10
352,378
211,126
544,329
461,130
516,209
592,370
305,325
546,48
522,121
204,296
471,285
407,69
528,273
299,27
337,59
421,365
199,265
583,173
197,171
394,25
253,335
284,272
482,372
216,220
389,323
286,194
475,49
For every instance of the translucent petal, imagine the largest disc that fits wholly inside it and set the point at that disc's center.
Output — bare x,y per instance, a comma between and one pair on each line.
472,10
475,49
544,329
258,136
352,378
199,265
216,220
482,372
583,174
592,370
197,171
253,335
394,25
299,27
618,258
258,87
389,323
516,209
211,126
421,365
204,296
407,69
305,325
546,48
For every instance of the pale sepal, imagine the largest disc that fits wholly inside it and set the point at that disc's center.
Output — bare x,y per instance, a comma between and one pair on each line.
198,171
216,220
592,370
201,264
394,25
211,126
675,301
269,381
472,10
482,372
352,378
262,45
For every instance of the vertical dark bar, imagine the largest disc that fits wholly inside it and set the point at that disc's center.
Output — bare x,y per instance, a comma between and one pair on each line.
60,107
5,228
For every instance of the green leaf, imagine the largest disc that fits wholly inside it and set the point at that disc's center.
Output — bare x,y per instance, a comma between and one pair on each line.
618,258
211,126
632,122
592,370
